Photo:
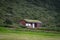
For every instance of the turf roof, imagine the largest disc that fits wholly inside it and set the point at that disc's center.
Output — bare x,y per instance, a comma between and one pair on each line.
28,20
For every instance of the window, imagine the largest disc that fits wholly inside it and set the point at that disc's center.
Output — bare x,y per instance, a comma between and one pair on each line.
28,24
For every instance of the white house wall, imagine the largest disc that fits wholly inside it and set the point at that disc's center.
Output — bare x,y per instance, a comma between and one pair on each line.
33,25
28,24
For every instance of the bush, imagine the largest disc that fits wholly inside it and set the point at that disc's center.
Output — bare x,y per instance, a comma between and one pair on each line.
49,28
9,22
22,26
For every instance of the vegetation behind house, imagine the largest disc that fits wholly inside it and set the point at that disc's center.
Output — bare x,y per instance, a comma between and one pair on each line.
47,11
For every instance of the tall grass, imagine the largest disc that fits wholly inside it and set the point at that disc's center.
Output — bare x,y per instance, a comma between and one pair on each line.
27,31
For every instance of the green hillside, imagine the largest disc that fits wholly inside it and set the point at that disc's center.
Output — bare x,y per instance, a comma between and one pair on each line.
46,11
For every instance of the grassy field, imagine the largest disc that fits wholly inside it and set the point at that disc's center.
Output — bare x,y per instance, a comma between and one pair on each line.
6,34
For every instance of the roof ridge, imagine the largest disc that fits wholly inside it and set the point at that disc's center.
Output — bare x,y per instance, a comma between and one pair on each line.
30,20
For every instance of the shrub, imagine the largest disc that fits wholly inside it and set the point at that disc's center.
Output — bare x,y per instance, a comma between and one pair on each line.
22,26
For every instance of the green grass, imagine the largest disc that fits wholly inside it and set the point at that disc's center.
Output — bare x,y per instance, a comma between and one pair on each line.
8,34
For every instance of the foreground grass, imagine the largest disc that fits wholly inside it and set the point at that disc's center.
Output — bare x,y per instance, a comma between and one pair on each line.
6,34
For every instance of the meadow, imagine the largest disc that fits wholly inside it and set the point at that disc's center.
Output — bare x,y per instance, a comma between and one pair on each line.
8,34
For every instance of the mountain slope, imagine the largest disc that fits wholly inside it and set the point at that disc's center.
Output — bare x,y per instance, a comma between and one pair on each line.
43,10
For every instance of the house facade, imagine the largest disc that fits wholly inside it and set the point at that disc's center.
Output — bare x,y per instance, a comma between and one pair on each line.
31,23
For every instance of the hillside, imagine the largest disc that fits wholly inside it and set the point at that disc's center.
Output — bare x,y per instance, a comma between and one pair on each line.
46,11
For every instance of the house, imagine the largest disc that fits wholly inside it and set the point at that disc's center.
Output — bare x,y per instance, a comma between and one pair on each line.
31,23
